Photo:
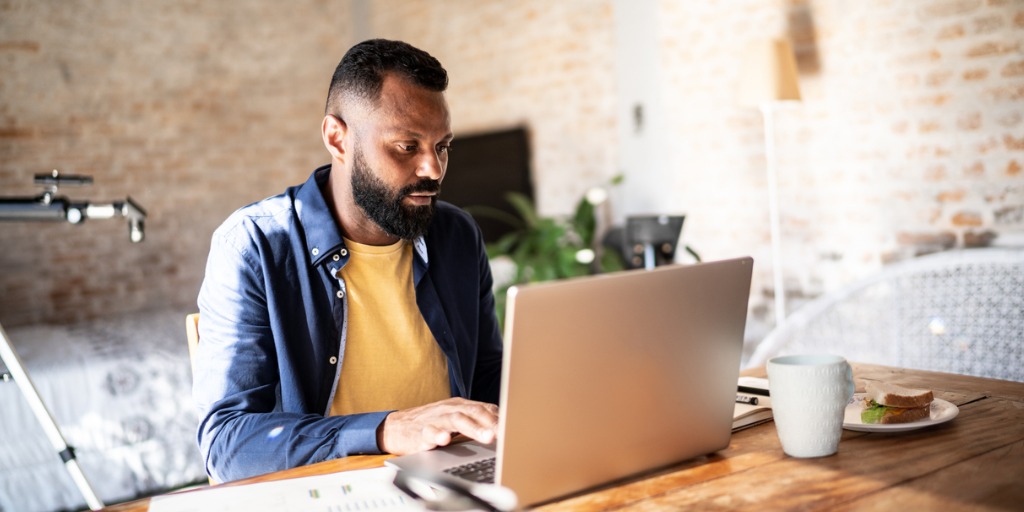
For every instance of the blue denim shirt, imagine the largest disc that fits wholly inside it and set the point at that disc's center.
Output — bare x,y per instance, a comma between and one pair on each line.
272,331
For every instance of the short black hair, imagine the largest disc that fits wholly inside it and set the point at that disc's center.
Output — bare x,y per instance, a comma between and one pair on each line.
362,69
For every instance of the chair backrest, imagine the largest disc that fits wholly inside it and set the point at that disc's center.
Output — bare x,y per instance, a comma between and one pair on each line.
958,311
192,333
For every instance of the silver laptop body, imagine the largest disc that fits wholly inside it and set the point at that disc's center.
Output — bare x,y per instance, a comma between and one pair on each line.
612,375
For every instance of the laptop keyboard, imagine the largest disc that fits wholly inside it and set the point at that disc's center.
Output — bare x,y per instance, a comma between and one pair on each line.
481,471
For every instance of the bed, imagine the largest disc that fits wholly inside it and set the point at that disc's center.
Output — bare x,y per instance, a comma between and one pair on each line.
120,390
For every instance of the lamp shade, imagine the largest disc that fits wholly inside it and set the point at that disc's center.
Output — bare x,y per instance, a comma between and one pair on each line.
768,73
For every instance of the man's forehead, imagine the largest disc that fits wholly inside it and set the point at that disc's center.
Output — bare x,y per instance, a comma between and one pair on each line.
404,107
401,91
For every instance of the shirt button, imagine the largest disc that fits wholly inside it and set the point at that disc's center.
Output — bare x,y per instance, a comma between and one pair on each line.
315,251
336,257
341,294
344,252
334,360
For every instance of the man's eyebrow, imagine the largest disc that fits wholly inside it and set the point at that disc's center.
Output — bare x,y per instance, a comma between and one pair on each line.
402,132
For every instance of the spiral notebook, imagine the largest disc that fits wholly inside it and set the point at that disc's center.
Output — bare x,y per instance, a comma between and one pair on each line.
747,415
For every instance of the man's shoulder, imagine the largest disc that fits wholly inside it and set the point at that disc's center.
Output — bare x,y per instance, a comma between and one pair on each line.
260,211
267,217
448,212
452,221
453,236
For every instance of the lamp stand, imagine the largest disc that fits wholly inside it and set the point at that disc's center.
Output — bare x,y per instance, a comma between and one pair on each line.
35,402
50,207
767,112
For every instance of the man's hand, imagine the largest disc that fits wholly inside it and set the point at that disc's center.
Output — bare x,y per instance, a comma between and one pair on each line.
432,425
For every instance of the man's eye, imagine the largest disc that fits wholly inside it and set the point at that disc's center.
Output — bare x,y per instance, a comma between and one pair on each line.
444,148
409,148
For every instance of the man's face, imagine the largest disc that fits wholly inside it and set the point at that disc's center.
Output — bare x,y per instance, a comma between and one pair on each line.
385,205
399,157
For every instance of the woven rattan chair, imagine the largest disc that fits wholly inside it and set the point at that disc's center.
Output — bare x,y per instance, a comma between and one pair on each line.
958,311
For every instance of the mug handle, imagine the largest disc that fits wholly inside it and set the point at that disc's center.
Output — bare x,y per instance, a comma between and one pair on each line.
849,382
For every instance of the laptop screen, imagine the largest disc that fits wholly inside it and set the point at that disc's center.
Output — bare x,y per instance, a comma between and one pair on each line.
612,375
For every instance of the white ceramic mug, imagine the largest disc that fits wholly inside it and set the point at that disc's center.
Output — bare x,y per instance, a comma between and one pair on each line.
809,395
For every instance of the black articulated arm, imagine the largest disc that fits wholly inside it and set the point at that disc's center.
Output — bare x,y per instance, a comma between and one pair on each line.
49,206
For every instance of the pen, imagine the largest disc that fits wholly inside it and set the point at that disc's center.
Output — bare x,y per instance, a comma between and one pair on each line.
741,399
753,391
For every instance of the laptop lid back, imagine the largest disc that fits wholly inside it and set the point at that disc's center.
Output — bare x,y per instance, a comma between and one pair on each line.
612,375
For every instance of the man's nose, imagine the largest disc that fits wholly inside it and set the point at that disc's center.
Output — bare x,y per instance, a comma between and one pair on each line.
431,165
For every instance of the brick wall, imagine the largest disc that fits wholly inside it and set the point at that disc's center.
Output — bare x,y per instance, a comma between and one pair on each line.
545,65
910,137
193,108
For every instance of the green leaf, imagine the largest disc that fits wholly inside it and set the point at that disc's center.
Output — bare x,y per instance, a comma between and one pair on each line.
479,211
585,222
544,273
524,206
611,261
505,243
873,413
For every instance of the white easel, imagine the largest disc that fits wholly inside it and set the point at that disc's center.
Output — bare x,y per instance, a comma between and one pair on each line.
35,402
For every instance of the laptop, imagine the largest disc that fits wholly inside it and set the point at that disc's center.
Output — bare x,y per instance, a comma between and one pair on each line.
609,376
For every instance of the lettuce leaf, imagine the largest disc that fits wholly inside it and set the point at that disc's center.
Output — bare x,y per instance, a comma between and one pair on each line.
873,412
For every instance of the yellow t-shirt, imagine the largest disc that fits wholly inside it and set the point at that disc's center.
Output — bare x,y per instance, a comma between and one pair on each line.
391,359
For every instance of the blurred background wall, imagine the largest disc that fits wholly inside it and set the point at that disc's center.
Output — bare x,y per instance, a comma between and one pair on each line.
909,138
192,108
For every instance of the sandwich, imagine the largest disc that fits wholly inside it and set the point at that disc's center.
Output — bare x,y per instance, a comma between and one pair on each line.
889,403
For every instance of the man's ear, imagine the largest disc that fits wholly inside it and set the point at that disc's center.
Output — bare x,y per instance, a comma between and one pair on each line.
334,131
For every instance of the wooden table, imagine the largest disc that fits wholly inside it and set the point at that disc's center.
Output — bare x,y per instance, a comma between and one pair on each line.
975,462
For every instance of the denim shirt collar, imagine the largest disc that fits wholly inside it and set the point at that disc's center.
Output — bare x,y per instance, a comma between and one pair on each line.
323,236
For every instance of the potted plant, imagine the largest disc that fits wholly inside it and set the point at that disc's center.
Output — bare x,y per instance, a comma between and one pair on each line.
547,248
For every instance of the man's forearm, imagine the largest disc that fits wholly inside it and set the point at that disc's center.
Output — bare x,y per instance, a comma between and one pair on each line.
240,445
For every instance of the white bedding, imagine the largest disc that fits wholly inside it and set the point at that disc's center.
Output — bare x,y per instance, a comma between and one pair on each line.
120,390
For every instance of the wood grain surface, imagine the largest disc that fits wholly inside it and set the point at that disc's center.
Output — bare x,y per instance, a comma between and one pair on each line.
974,462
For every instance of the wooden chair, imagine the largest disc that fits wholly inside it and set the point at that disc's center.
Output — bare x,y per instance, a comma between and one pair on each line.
192,333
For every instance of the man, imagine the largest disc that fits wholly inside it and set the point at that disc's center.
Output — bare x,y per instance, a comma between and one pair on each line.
353,313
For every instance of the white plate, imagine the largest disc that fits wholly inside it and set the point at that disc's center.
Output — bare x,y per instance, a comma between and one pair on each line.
941,412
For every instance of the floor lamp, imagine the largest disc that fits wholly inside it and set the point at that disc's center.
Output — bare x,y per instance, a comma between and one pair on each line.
768,80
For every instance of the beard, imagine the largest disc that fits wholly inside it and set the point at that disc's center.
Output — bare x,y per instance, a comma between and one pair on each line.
383,205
